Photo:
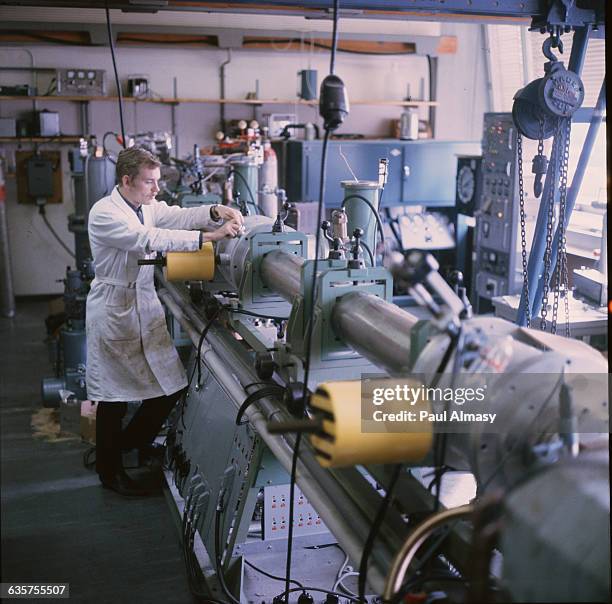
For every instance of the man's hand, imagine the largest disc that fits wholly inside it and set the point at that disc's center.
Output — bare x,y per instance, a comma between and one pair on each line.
227,231
226,213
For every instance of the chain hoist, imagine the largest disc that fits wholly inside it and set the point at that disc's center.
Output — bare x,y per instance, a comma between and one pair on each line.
543,109
562,272
550,222
519,147
539,165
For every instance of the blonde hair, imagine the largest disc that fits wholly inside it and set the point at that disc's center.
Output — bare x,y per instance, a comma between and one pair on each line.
129,162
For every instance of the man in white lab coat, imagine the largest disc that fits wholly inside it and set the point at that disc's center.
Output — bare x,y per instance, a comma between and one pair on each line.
130,355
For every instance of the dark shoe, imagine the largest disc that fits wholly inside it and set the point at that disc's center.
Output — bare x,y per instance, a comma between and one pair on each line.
121,483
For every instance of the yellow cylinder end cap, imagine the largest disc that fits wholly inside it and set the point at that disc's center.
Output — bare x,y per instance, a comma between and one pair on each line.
191,266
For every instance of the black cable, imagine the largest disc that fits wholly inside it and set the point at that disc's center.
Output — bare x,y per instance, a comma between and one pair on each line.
118,84
308,338
294,459
191,562
334,47
263,572
367,548
246,184
265,392
200,343
219,557
41,211
374,211
455,346
364,245
308,349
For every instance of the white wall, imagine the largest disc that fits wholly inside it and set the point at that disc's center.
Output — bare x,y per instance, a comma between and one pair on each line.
38,261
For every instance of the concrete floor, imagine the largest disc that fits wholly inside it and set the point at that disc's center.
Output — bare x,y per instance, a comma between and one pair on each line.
58,524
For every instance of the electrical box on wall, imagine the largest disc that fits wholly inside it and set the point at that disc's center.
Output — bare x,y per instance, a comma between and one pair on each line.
39,176
83,81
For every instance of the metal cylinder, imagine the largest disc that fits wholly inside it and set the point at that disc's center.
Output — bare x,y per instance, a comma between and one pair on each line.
7,294
376,329
50,391
246,178
94,181
74,345
233,254
359,213
97,183
281,272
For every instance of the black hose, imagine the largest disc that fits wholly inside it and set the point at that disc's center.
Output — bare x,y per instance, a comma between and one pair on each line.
374,211
246,184
369,544
54,232
118,84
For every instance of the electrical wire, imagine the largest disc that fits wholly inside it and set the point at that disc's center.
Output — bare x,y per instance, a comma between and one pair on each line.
189,557
266,574
219,555
246,184
374,211
118,84
339,583
41,211
309,331
367,548
201,342
270,390
366,247
334,47
455,346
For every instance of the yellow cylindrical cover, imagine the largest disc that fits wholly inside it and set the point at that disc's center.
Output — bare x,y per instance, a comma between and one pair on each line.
191,266
344,441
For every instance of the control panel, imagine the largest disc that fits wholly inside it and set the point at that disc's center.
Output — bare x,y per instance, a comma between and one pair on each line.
426,231
497,211
81,81
306,521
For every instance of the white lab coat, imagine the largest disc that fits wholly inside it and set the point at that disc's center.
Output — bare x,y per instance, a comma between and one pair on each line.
130,355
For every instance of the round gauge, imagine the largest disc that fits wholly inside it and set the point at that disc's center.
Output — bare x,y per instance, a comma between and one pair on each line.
466,184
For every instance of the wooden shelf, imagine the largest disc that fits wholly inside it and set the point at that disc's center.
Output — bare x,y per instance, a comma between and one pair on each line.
172,101
40,139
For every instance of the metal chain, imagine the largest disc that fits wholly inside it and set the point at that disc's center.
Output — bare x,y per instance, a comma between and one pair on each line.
562,249
549,237
519,147
558,268
541,138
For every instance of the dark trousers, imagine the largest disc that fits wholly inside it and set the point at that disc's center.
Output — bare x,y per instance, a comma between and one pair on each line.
111,439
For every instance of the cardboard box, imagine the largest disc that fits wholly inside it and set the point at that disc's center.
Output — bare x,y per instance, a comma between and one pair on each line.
88,421
70,416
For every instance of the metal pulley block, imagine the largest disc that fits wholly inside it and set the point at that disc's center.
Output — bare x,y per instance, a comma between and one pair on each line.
528,114
561,91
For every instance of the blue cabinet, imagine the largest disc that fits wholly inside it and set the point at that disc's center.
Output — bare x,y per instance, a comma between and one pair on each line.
421,172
